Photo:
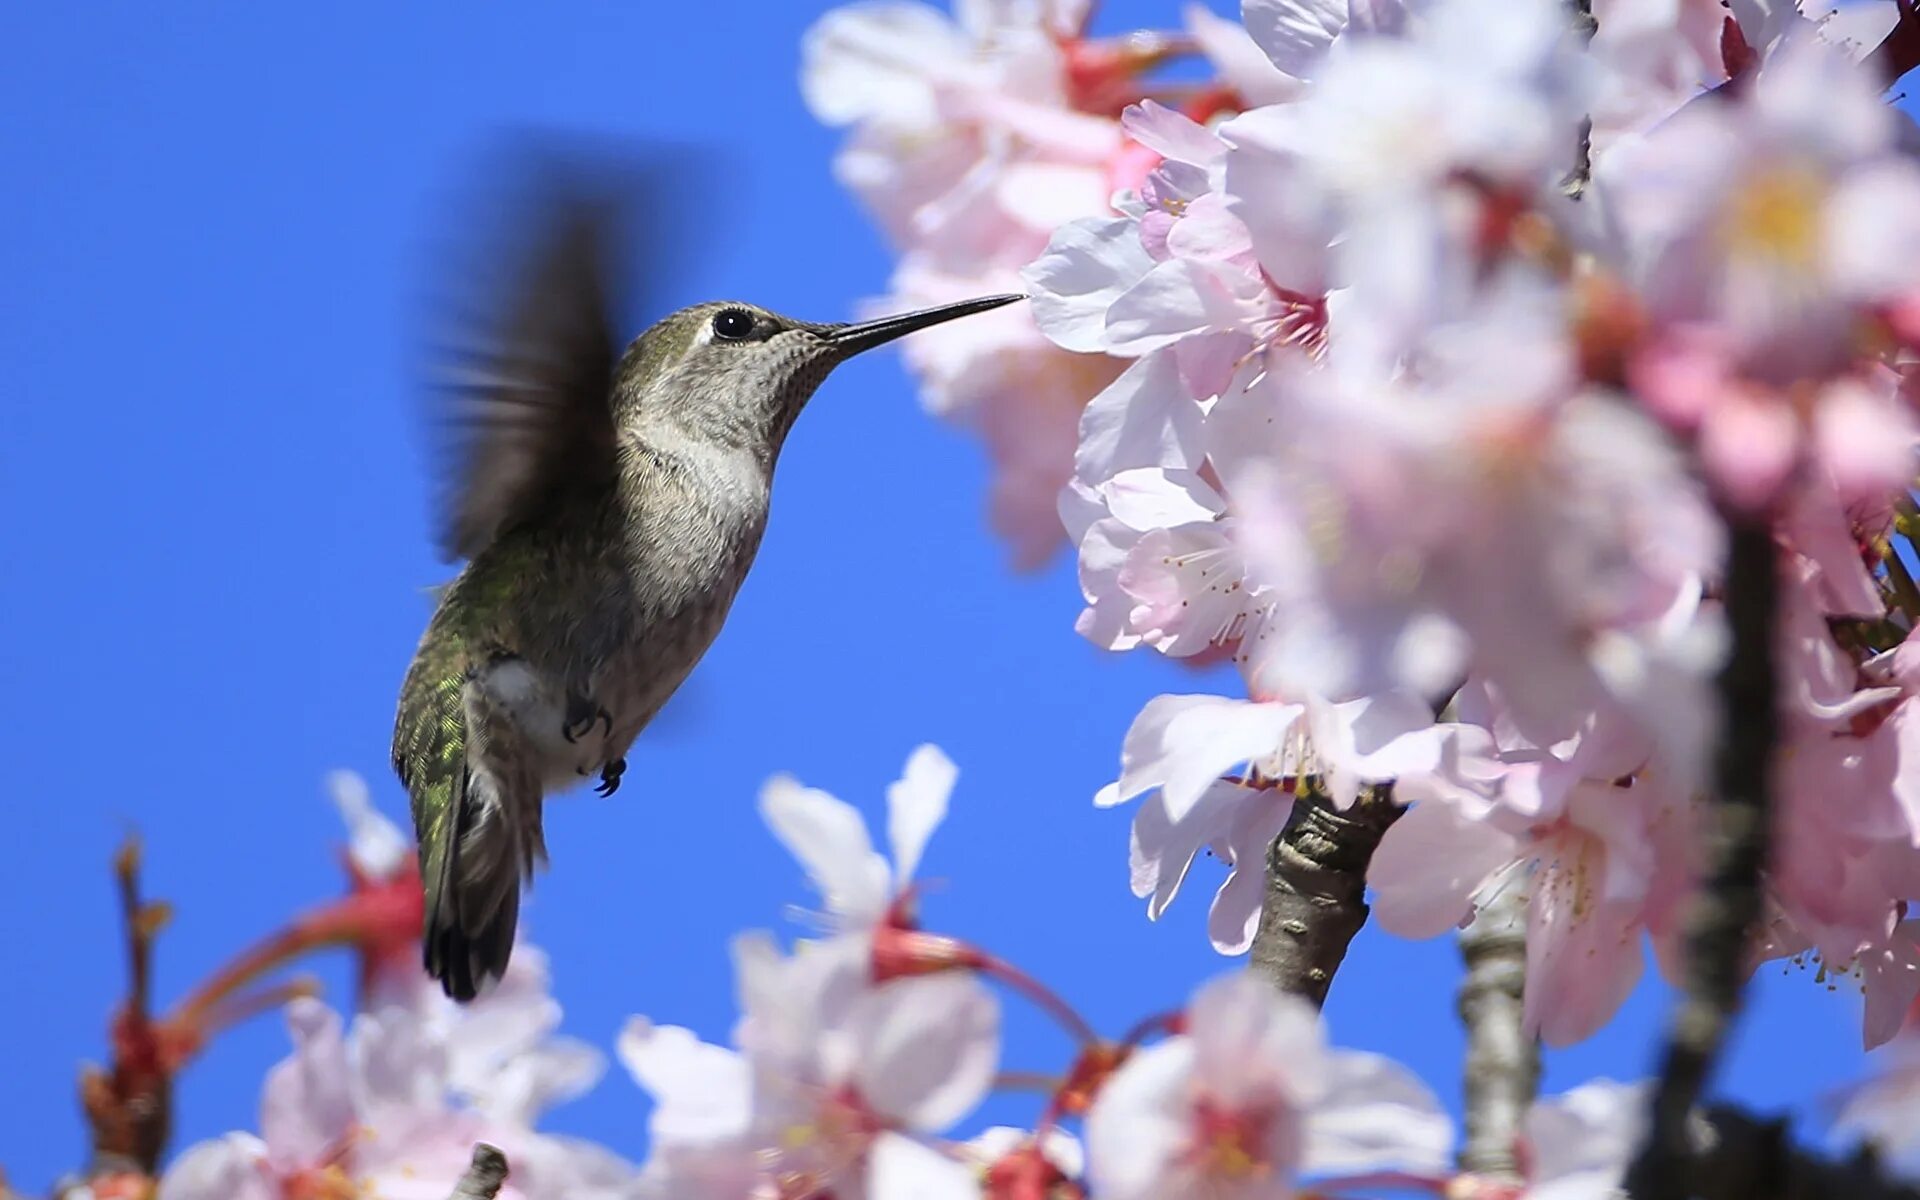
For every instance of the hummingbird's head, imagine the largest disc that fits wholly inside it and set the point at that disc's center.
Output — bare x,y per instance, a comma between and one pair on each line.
739,374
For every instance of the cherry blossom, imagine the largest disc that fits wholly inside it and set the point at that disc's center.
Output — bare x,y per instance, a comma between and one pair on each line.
1596,841
829,837
373,1112
1577,1145
973,138
1763,235
1248,1098
832,1082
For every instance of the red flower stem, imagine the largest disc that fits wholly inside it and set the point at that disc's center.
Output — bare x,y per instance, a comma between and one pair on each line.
314,932
244,1008
1166,1022
1041,995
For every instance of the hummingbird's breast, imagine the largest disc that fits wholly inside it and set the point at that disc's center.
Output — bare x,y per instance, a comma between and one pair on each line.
696,516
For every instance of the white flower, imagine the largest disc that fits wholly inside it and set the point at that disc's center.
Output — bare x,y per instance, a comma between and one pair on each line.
832,1086
1578,1144
1249,1098
829,836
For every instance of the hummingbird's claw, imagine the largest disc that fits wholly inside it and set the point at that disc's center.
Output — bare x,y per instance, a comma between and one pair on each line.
610,777
581,718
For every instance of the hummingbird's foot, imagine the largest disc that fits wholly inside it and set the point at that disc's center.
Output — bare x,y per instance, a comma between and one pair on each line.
610,777
582,716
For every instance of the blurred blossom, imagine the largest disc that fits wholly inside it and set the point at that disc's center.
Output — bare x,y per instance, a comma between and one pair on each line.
1180,747
829,838
1402,416
832,1085
1883,1110
973,136
377,1111
1596,841
1248,1099
1578,1145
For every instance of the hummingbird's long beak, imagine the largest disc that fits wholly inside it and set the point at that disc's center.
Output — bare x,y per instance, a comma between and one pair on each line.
852,339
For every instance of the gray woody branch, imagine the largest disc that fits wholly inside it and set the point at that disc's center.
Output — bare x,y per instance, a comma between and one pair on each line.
1725,910
1316,886
1503,1063
485,1176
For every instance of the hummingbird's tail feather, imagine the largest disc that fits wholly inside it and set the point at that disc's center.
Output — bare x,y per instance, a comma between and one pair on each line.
474,909
476,808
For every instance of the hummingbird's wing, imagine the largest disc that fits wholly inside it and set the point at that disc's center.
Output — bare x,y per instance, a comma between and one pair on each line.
522,407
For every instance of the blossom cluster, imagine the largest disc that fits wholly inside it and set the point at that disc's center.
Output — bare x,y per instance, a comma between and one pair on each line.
857,1054
1454,337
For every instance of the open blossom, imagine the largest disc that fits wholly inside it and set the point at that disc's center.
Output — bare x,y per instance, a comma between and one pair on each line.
862,892
831,1087
1884,1109
1578,1145
1597,842
973,137
374,1112
1179,749
1248,1099
1765,236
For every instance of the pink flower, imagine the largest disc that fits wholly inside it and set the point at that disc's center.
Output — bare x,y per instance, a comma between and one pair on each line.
1248,1098
972,141
1598,845
1578,1145
1777,221
832,1085
829,837
1179,748
1883,1110
374,1113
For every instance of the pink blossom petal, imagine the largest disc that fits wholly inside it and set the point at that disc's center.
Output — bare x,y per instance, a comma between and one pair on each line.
1580,1142
700,1091
1234,916
1141,419
307,1105
1296,34
1238,59
1181,744
230,1168
916,804
1086,267
1161,849
1583,958
868,61
901,1166
377,846
1866,439
829,837
1429,866
1749,445
1137,1129
1171,133
927,1048
1375,1115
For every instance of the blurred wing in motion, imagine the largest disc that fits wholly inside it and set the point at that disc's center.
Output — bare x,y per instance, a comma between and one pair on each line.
527,324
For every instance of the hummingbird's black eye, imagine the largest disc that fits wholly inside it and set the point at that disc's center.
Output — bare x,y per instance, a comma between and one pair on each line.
732,324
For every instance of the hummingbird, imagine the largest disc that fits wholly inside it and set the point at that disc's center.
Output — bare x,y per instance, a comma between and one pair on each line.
608,504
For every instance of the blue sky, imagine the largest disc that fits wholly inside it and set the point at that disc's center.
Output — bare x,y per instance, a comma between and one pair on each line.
216,554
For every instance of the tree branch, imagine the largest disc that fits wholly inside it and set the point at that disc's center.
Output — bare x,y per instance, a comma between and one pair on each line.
1899,51
485,1176
1728,905
1741,1157
1503,1063
129,1105
1316,886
